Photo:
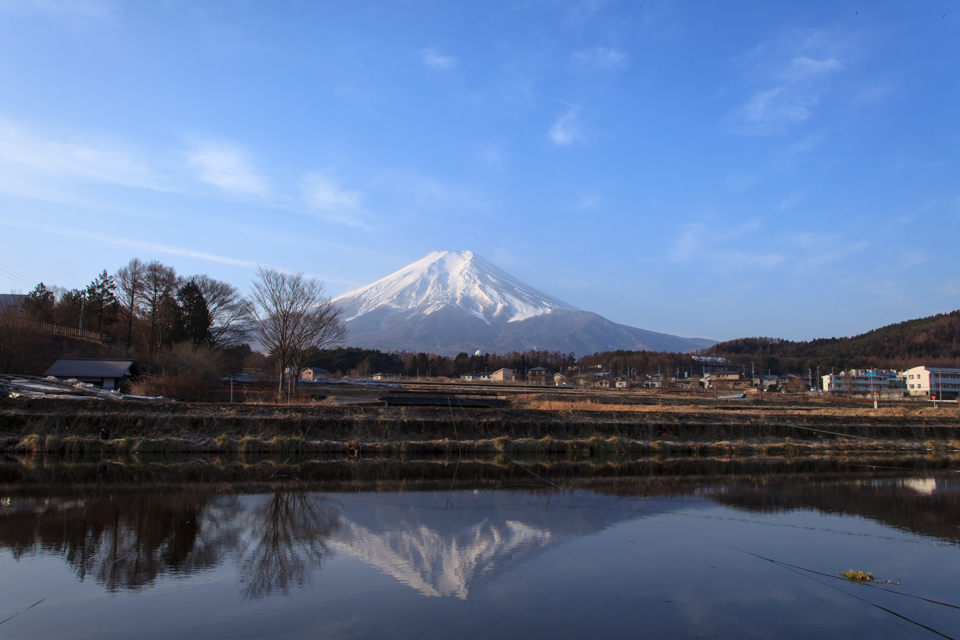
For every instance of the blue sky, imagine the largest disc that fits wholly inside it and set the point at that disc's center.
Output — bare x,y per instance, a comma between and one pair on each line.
705,169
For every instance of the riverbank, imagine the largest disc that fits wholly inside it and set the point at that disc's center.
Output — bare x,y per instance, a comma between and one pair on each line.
528,424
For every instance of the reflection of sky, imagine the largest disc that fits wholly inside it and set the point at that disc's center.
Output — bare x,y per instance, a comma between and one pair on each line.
592,566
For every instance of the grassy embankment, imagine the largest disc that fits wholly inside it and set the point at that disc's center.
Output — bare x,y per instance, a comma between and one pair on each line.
532,423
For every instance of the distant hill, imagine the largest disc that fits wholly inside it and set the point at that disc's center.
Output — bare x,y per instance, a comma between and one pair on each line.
933,340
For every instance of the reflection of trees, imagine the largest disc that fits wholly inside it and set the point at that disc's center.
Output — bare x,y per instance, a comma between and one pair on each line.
127,541
937,514
289,544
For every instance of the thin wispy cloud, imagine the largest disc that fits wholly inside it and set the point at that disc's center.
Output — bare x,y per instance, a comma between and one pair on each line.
326,194
93,160
437,61
698,243
126,243
323,196
228,167
588,201
566,130
490,156
411,193
789,78
558,100
39,167
72,8
739,182
600,59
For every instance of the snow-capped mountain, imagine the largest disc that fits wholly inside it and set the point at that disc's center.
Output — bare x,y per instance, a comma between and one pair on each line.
452,301
452,279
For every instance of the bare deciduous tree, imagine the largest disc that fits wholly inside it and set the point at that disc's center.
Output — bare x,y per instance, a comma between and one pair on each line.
130,281
230,312
160,284
291,317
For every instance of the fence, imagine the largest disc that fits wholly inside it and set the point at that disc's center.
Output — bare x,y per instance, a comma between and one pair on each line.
64,331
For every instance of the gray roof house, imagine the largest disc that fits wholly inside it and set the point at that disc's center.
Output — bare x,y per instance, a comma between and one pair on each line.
11,301
104,372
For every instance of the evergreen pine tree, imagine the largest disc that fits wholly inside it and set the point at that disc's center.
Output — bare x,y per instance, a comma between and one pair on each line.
39,304
195,314
101,304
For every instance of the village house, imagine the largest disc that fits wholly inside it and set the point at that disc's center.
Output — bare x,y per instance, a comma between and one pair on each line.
540,375
313,374
503,375
106,373
386,376
725,380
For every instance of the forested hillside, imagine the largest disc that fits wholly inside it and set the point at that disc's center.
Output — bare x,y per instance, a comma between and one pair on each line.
934,340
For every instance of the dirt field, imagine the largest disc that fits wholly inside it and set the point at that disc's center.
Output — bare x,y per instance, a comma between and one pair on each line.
579,423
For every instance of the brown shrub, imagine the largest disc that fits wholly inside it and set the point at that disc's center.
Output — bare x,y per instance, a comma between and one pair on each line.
182,386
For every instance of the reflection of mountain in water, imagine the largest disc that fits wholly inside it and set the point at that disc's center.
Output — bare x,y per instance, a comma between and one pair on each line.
442,550
437,543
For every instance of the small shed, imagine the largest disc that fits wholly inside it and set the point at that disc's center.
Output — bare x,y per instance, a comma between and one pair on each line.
312,374
106,373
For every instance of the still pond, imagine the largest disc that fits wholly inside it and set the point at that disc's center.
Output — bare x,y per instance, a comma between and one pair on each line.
529,556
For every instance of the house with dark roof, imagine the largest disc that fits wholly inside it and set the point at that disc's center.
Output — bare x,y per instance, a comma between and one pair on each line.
106,373
540,375
11,302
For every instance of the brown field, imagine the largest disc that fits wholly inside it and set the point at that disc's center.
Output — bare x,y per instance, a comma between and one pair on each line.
556,422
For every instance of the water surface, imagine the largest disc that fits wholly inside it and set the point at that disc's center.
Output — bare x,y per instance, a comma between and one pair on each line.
716,556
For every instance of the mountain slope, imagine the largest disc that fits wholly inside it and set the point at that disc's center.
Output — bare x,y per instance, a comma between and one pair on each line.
453,301
935,338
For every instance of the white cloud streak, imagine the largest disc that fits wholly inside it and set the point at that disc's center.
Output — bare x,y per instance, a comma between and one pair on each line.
600,59
437,61
83,8
93,160
228,167
566,130
789,78
696,242
125,243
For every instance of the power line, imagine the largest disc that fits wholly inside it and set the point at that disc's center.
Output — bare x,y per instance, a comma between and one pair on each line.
15,276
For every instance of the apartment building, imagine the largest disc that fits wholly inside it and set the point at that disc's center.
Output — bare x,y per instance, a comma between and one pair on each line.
862,381
933,381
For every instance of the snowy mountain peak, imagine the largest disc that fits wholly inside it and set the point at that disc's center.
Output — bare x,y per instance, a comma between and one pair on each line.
458,279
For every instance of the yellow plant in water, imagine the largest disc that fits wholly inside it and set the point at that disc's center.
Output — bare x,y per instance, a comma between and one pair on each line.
858,576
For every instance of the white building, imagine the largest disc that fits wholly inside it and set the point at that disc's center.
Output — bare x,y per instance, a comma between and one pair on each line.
862,381
926,381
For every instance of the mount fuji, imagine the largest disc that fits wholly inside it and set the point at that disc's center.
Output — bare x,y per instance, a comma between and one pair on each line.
453,301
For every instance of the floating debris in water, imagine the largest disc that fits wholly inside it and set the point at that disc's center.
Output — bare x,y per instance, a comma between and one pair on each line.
861,577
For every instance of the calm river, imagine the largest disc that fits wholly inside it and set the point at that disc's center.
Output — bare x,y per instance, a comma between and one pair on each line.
102,554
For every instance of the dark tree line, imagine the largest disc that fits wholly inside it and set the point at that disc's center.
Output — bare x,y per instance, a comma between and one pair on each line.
934,340
364,362
144,310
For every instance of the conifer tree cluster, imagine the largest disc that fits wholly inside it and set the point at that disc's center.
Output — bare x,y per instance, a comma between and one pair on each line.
147,308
